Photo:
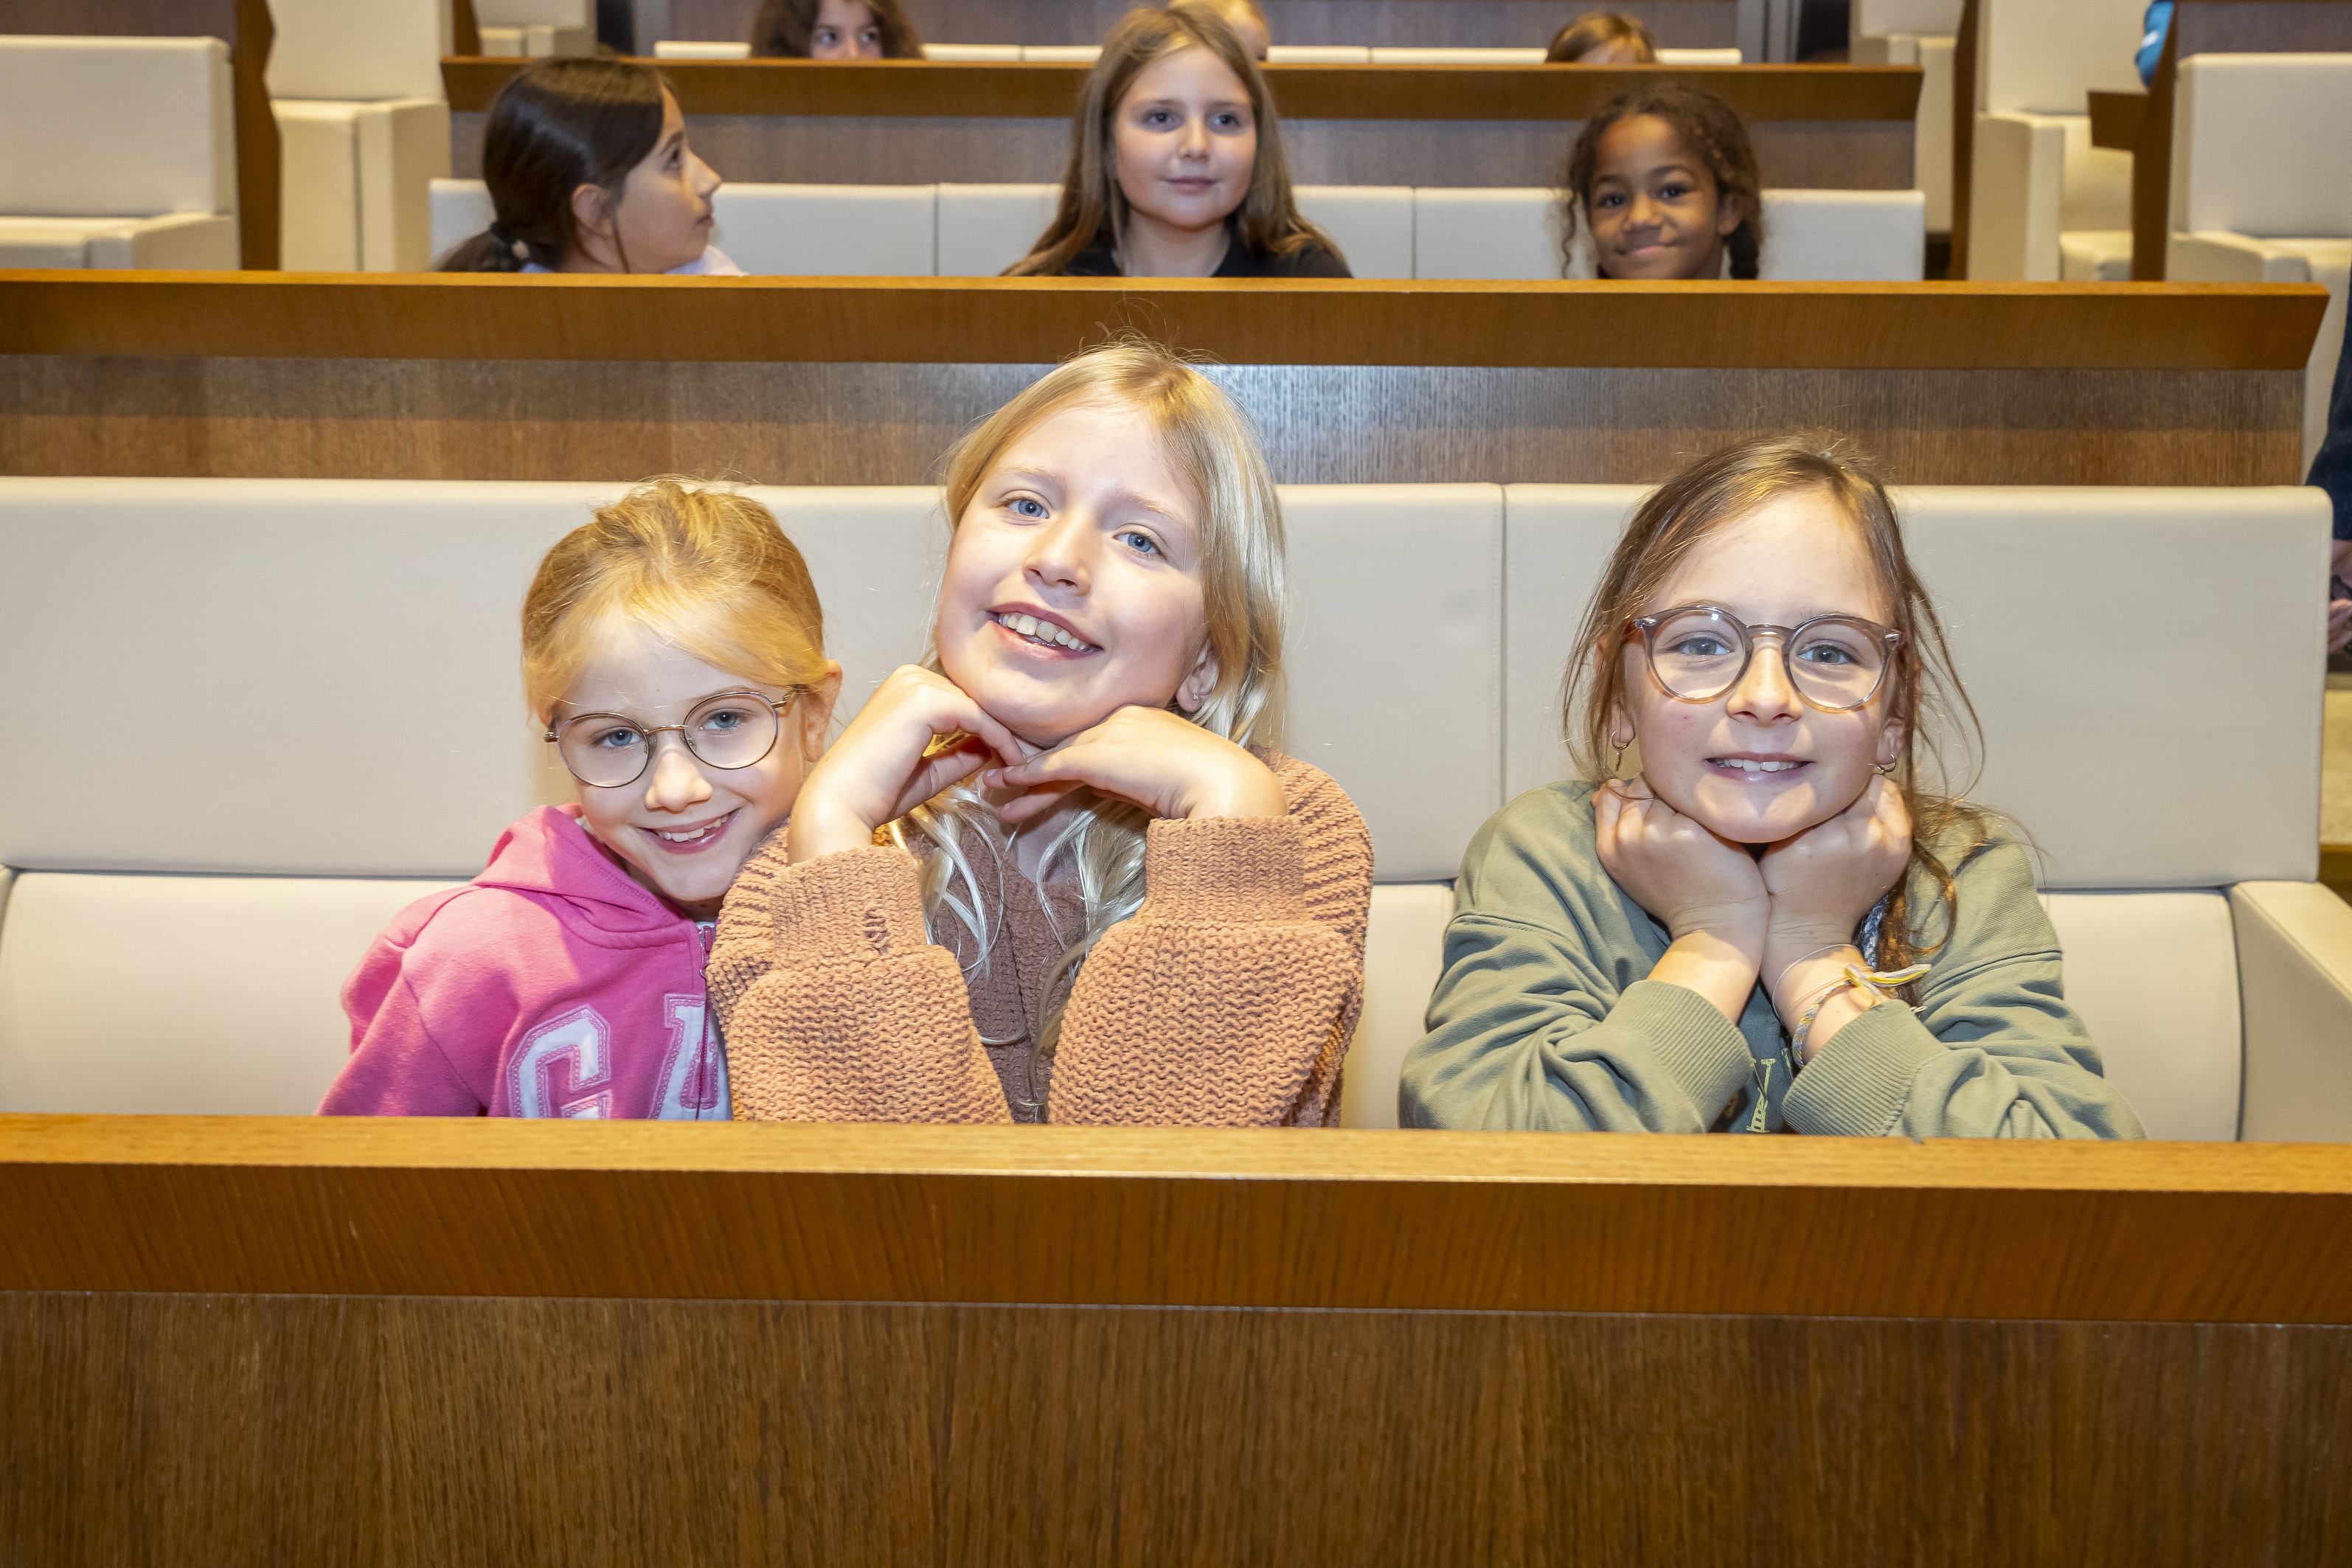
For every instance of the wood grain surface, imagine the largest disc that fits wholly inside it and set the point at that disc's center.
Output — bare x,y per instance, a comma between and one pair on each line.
2115,120
971,88
245,27
177,1429
1025,320
2188,1233
793,424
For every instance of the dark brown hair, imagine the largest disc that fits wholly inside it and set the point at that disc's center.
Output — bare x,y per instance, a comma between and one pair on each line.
1701,500
1597,29
1710,127
555,126
783,27
1094,209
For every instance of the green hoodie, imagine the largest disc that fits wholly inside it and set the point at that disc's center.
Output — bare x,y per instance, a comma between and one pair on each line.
1543,1018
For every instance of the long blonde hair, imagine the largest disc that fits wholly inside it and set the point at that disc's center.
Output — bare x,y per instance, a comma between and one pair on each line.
1210,445
703,568
1094,209
1701,500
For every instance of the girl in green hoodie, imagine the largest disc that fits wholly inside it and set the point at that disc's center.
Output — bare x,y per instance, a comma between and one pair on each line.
1766,924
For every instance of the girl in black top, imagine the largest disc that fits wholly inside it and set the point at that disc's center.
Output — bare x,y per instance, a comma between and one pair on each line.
1176,167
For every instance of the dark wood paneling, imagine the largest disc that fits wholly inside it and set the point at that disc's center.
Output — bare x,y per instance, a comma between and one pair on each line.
369,1430
889,424
245,27
961,89
1172,1216
2116,119
1025,320
866,149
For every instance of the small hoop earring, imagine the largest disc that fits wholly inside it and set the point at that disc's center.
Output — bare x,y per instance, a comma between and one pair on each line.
1617,762
1885,771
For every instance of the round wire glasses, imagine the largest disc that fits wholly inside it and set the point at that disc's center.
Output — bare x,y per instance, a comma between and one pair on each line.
1698,652
732,729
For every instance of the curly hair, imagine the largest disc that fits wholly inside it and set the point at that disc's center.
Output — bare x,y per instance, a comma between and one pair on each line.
1710,127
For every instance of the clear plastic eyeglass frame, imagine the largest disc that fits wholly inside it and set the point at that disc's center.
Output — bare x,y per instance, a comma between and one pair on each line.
1647,627
653,733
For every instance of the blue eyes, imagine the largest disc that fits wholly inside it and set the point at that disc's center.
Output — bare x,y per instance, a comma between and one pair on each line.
1142,542
1026,506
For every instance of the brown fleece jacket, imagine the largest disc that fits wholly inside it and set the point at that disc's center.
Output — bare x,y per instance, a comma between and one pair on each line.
1228,1000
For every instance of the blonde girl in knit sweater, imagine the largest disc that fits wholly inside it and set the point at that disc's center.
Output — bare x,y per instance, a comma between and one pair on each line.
1056,872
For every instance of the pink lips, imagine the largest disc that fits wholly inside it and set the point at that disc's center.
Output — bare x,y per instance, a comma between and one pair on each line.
717,827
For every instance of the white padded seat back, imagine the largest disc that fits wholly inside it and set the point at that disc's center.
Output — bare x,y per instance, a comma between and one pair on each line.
1843,237
2103,634
537,12
396,604
390,606
461,209
185,995
1505,232
333,48
1512,233
984,230
1001,54
872,231
1699,56
1404,948
1061,54
2095,192
848,231
1372,225
115,127
2041,58
2171,1048
690,49
1886,16
1396,611
2258,145
1317,55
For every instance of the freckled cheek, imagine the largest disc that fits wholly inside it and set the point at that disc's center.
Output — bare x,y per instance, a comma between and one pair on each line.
1675,736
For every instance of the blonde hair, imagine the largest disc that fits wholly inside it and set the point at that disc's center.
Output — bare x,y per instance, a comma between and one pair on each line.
1094,209
1239,12
1701,500
1210,445
1598,30
705,569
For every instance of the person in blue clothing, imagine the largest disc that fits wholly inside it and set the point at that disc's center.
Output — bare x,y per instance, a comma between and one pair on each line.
2158,22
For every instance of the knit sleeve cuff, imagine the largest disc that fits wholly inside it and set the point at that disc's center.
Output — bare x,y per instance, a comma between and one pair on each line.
1856,1085
853,902
1691,1040
1225,871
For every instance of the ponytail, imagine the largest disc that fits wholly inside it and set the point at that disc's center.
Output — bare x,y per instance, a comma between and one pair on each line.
557,124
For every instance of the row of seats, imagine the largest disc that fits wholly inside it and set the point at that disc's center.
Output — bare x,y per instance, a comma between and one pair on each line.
1922,33
2043,204
1385,231
1280,55
343,730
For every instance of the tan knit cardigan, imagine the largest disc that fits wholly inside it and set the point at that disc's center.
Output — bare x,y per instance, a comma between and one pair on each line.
1228,1000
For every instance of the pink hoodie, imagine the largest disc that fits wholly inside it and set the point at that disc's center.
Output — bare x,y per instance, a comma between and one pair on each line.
551,985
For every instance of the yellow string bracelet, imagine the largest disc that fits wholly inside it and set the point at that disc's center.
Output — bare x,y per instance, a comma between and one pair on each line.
1876,982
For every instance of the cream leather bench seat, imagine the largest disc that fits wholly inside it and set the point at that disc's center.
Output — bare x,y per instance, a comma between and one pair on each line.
120,153
1920,33
859,231
2261,188
513,29
181,950
1843,236
2043,203
362,130
1528,57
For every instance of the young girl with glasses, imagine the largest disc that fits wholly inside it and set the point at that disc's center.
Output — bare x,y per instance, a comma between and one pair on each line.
1773,924
1056,872
673,650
